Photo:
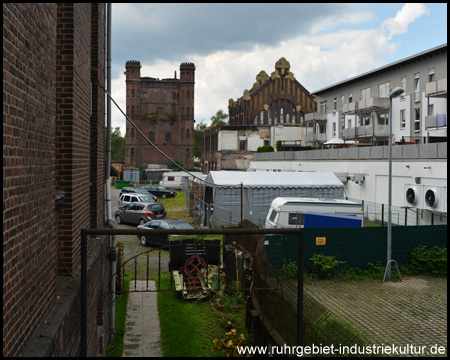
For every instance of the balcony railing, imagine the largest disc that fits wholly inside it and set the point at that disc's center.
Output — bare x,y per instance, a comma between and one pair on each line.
372,102
315,137
436,88
349,108
317,116
436,121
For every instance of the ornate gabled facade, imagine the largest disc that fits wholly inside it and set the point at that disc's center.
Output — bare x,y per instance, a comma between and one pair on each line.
272,100
273,109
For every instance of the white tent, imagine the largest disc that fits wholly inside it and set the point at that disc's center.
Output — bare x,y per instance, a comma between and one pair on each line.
227,192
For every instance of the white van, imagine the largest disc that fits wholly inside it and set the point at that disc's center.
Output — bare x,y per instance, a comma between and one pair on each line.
174,179
288,212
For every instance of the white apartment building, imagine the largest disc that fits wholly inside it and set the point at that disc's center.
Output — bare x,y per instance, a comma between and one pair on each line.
357,109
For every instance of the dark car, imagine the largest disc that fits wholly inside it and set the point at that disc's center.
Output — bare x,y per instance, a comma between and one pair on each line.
162,240
135,190
160,191
140,213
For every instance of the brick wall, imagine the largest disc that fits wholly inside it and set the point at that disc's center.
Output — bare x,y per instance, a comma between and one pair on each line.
29,231
52,143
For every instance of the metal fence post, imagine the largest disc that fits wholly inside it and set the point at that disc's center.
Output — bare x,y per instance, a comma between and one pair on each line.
300,264
83,292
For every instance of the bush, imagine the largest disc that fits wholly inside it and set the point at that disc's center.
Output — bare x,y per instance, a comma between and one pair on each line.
289,269
265,148
324,267
432,262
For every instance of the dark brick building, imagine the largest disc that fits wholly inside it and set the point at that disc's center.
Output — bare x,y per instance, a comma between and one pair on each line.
164,111
53,177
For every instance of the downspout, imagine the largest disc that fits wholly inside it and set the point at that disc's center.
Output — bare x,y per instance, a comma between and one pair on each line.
109,221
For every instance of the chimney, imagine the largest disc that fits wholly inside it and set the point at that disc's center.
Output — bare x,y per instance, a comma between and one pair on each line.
175,74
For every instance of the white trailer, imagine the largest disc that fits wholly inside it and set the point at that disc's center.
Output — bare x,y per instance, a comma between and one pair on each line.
289,212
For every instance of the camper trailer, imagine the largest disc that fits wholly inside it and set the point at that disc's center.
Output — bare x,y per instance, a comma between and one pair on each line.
287,212
174,179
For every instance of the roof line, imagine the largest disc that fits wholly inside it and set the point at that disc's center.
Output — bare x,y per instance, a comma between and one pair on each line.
380,68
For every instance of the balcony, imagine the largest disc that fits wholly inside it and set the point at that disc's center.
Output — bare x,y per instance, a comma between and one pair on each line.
315,116
348,133
372,102
315,137
372,131
349,108
435,121
436,88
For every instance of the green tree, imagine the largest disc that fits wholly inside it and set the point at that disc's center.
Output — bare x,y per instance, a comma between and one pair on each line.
220,118
198,139
117,145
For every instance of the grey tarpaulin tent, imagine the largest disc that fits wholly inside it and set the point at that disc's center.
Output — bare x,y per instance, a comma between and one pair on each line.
223,192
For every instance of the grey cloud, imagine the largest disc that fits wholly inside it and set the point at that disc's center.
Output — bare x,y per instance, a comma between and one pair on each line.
172,31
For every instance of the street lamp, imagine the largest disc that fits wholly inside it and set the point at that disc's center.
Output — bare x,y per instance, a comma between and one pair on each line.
394,93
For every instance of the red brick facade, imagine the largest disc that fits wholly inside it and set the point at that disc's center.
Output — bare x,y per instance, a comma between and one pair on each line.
53,171
164,111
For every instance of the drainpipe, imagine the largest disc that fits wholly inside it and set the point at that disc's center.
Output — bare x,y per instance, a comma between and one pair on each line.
108,170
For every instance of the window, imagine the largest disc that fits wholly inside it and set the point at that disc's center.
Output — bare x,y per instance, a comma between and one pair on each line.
342,101
365,94
403,97
350,98
334,129
132,92
273,215
132,152
188,153
187,134
383,119
168,137
334,104
242,145
261,117
174,96
132,110
296,219
431,76
349,124
402,119
151,136
323,107
132,132
188,94
430,109
417,87
383,90
417,119
365,120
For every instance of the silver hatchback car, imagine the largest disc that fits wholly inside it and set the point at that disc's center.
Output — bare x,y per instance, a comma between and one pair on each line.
140,213
125,199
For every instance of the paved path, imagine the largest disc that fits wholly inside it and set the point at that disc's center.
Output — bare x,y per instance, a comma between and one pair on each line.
411,312
142,335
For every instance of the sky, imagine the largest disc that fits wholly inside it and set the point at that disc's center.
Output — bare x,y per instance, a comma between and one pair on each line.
231,43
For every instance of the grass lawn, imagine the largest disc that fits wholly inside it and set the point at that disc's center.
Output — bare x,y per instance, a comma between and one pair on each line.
189,328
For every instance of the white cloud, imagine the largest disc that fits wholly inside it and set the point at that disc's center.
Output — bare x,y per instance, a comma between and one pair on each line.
405,16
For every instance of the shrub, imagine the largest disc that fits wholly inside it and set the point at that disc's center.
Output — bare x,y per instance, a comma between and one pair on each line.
289,269
265,148
324,266
432,262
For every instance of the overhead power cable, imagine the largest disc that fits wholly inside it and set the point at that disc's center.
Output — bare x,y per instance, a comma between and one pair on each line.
148,140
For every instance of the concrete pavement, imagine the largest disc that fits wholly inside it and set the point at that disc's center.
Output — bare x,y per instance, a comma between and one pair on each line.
142,335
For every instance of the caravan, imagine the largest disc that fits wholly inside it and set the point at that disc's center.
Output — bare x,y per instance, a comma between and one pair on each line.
174,179
287,212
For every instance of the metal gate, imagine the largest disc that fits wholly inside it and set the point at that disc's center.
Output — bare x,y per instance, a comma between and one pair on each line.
194,268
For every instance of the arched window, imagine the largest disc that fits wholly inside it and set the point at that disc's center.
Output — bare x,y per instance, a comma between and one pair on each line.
132,132
168,137
187,134
132,152
132,92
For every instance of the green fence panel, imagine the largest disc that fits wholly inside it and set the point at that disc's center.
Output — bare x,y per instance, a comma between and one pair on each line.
356,246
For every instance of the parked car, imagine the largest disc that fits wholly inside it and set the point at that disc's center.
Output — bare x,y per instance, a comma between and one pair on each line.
140,213
160,191
162,240
135,190
125,199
